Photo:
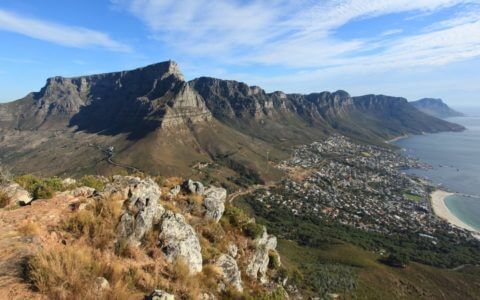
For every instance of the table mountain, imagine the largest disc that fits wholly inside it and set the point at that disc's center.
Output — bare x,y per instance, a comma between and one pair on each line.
156,121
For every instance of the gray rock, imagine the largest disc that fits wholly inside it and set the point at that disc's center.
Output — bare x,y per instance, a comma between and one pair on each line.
175,190
232,250
258,266
100,285
160,295
214,202
17,194
142,210
178,240
230,272
83,191
194,187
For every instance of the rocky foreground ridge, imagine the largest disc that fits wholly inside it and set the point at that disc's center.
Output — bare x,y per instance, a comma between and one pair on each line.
129,237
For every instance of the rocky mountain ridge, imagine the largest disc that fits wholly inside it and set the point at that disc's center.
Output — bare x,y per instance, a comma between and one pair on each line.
158,122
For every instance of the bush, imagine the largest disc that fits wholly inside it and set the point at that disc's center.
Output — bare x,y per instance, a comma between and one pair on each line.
273,260
93,182
252,230
397,260
4,199
28,182
42,192
40,188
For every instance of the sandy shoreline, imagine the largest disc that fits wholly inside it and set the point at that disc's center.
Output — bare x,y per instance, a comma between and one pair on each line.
442,211
397,138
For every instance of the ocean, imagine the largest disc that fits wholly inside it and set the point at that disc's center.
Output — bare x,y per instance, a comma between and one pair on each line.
455,158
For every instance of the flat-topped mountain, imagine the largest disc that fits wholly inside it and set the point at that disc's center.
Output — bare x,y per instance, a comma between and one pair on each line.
158,122
436,108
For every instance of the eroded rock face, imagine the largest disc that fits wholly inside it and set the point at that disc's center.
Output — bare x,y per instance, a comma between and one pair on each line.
194,187
214,202
160,295
178,240
230,272
17,194
142,209
257,268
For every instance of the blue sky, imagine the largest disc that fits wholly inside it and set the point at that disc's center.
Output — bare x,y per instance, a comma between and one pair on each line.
414,49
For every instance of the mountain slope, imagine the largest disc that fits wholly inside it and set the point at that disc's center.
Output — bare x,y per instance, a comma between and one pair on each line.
436,108
159,123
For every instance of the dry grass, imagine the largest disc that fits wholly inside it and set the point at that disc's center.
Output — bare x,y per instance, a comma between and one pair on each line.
97,224
4,199
29,229
66,272
171,182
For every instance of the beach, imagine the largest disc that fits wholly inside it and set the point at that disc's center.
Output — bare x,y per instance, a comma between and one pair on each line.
442,211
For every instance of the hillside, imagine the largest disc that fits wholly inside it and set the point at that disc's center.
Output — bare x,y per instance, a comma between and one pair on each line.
157,122
436,108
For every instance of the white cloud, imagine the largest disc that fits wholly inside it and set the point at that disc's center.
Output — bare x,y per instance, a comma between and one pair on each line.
301,33
59,34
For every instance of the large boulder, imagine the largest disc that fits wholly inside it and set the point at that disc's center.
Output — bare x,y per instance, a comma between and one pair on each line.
17,194
194,187
121,186
142,210
178,240
214,202
258,266
230,272
160,295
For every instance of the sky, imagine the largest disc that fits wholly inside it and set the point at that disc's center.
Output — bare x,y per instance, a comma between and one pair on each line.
413,49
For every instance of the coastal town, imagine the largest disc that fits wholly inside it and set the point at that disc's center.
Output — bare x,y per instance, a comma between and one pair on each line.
363,186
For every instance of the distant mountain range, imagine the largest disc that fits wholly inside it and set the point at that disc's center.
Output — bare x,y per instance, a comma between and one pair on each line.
160,123
436,108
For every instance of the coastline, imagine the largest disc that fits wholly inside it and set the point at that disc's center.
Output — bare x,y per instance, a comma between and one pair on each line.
397,138
441,210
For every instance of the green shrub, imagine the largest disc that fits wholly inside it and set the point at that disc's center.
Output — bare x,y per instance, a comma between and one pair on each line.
252,230
40,188
397,260
93,182
235,216
28,182
42,191
273,260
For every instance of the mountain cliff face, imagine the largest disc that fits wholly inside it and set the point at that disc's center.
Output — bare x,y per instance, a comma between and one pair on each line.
159,122
136,101
436,108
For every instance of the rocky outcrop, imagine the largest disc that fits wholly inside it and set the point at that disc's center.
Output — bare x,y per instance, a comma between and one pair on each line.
160,295
194,187
214,202
230,272
17,194
179,241
142,209
83,191
258,266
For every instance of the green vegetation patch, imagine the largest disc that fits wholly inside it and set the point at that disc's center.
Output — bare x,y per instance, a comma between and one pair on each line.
412,197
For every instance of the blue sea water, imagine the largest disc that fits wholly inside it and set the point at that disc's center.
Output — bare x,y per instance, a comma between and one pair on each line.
455,158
